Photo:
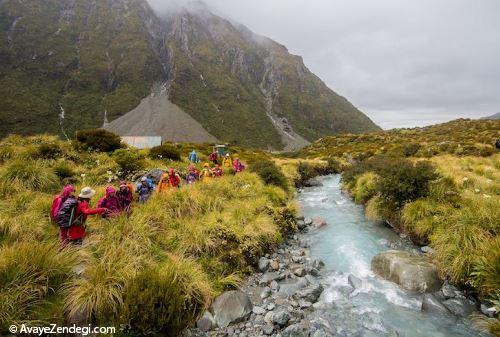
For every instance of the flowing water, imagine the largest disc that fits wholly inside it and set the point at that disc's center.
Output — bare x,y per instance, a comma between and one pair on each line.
347,245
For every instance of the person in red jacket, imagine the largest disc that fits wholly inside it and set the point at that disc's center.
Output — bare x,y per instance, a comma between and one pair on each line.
76,232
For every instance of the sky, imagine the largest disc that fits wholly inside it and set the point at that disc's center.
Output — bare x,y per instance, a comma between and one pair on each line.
404,63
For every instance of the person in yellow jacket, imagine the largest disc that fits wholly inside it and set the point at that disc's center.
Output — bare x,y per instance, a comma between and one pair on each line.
206,174
169,181
227,162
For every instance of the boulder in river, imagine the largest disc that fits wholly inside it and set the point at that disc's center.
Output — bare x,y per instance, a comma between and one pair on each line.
206,322
231,307
462,307
413,273
313,182
319,222
431,304
354,282
263,264
311,293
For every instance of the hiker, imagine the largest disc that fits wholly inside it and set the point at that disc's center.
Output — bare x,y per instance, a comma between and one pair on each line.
111,202
169,181
238,165
144,189
213,157
125,197
217,171
193,175
67,192
193,157
206,173
73,215
227,162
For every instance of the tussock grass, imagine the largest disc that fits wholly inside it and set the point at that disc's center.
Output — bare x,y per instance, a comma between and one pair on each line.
151,272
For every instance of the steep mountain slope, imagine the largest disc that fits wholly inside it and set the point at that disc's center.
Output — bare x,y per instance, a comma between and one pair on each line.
88,57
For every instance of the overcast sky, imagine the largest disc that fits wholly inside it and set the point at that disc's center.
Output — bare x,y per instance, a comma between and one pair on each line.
402,62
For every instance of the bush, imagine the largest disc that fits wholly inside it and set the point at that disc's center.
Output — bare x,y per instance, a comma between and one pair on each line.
365,187
411,149
98,140
306,171
30,175
405,182
270,173
63,170
128,160
165,151
48,151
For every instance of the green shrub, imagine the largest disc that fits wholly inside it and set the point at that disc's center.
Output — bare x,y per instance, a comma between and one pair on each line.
411,149
365,187
48,151
31,175
63,170
128,160
404,182
165,151
269,172
306,171
98,140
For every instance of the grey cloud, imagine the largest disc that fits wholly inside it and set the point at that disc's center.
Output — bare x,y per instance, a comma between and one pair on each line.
402,62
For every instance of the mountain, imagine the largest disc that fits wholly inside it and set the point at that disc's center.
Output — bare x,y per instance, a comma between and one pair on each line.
495,116
72,64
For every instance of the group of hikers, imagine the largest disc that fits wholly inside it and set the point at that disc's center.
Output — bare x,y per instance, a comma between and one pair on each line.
70,211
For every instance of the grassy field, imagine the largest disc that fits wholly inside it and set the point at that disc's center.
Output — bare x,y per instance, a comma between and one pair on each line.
440,185
154,271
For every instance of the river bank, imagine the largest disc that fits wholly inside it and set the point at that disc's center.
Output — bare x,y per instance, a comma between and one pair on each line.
319,283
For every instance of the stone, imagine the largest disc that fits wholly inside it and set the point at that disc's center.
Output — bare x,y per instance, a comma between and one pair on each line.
259,310
269,277
281,317
271,306
449,291
268,329
313,271
266,292
313,182
304,304
231,307
263,264
296,330
274,265
311,293
268,318
427,250
300,272
462,307
308,221
354,281
345,290
432,305
301,225
206,322
275,286
318,264
319,222
413,273
490,312
321,333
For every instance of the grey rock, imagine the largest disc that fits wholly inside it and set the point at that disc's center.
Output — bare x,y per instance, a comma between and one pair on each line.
206,322
313,182
259,310
301,225
266,292
411,272
308,221
296,330
432,305
318,264
354,281
275,286
459,306
268,318
427,249
231,307
264,264
311,279
271,306
345,290
268,329
319,222
311,293
321,333
274,265
490,312
269,277
281,317
449,291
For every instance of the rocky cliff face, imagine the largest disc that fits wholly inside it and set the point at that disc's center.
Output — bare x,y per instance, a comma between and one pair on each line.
88,57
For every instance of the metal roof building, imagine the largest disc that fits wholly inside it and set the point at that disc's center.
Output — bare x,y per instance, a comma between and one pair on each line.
142,142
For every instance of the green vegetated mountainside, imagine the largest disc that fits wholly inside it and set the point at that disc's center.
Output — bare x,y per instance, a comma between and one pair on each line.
461,137
89,57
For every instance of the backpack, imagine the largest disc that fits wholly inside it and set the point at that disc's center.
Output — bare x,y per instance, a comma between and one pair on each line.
66,215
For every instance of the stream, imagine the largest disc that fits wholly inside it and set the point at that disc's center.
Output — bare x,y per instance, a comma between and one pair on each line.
347,245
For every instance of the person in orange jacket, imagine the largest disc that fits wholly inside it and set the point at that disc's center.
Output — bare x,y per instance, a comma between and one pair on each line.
169,181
